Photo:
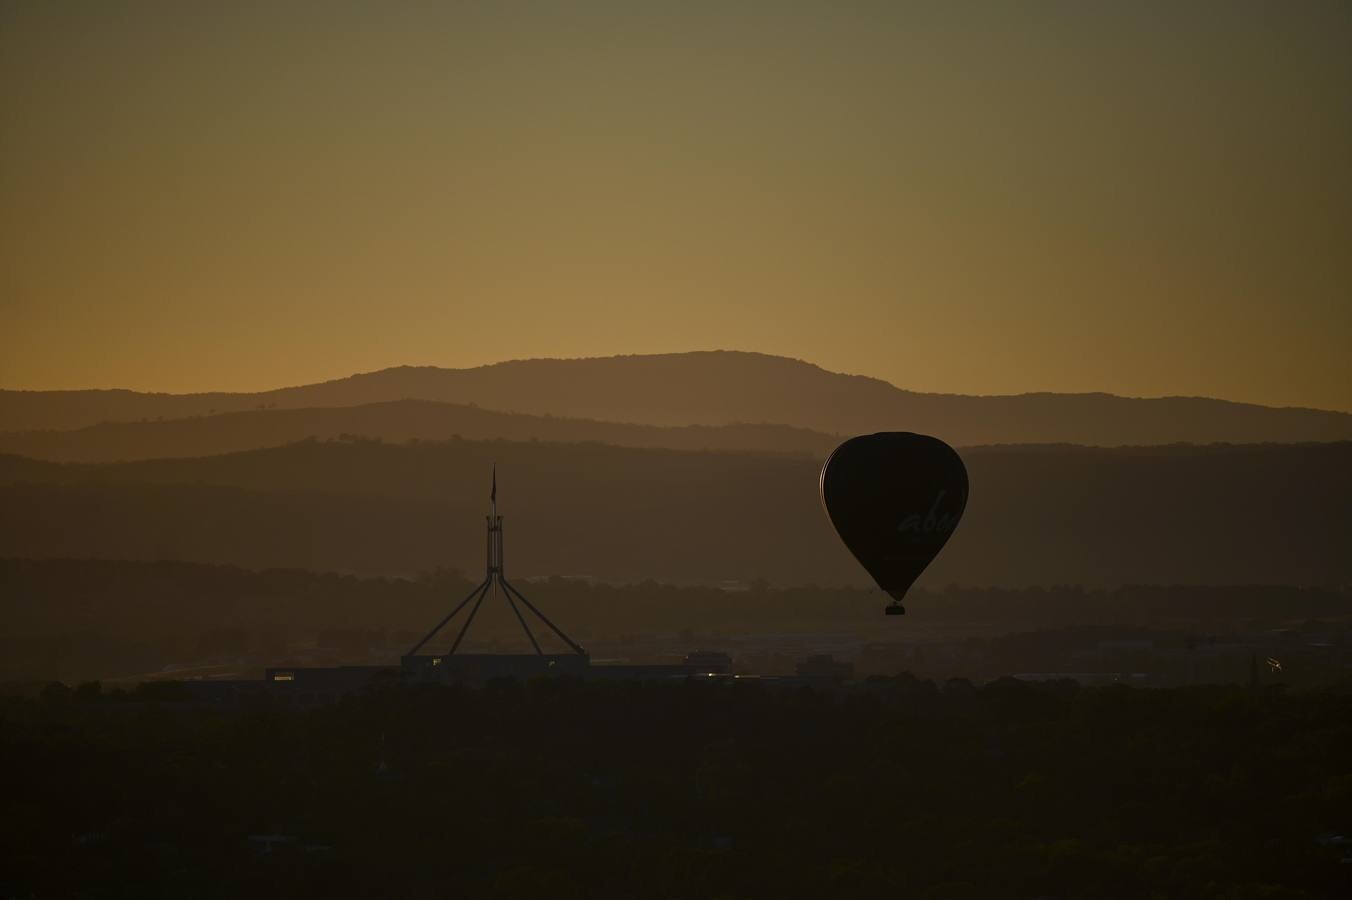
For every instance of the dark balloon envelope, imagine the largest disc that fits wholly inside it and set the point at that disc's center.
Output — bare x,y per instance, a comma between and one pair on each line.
894,499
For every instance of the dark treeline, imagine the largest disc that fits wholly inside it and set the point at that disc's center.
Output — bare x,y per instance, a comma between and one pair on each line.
560,789
82,619
1214,515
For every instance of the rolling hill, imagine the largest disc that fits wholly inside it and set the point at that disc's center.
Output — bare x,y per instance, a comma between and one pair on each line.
397,421
1037,515
722,388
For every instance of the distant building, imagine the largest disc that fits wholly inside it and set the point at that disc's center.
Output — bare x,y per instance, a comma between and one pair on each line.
632,672
475,669
708,662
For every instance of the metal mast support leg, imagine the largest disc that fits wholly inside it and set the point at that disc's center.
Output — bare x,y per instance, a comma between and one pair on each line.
474,610
450,615
543,618
524,627
502,576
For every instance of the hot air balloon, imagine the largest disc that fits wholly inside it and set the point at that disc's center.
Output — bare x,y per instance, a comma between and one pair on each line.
894,498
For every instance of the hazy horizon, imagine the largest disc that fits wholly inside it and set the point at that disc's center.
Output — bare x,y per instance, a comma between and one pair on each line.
508,360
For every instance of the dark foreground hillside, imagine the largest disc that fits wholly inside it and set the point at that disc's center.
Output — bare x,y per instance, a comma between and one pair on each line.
564,790
1256,514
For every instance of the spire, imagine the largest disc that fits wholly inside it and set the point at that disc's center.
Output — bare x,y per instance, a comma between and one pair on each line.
493,494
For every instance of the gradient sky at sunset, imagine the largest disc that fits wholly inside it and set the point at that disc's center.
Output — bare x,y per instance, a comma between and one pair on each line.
1146,198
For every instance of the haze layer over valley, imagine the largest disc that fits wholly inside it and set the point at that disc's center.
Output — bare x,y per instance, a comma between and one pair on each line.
1037,515
385,474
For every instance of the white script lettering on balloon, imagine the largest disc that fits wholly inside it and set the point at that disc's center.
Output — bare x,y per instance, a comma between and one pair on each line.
931,522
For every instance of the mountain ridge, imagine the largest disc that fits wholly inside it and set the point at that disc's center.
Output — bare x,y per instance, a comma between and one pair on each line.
722,387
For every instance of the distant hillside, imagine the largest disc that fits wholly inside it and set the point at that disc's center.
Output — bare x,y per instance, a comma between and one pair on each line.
1276,514
719,388
397,421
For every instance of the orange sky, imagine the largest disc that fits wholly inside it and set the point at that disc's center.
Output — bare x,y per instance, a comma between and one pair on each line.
1145,198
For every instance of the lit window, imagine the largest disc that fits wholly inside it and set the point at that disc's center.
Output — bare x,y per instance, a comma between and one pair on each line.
283,676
